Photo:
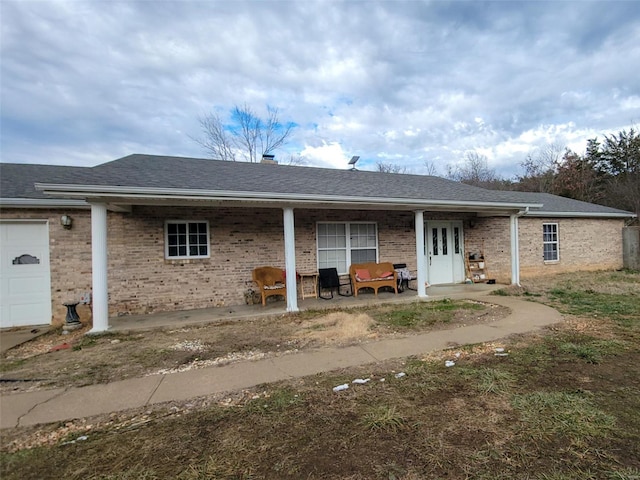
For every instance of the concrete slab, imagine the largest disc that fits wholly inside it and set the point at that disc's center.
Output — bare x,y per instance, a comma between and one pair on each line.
12,337
324,360
195,383
14,406
57,405
93,400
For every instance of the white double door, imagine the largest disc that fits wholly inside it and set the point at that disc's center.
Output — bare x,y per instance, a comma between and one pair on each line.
444,252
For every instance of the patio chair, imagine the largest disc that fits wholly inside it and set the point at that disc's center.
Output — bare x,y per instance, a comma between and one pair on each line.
404,276
270,281
328,279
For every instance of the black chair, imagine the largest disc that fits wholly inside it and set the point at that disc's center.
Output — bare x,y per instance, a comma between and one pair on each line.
404,276
328,279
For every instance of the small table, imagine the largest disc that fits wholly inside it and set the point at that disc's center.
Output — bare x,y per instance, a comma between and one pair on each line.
314,278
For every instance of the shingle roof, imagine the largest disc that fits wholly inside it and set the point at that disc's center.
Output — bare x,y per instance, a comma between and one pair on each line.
163,172
557,204
17,179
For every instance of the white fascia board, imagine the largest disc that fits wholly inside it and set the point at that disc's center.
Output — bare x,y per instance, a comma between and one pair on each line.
580,214
42,203
100,191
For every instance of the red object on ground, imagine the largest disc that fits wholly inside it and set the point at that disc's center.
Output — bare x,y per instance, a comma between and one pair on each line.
62,346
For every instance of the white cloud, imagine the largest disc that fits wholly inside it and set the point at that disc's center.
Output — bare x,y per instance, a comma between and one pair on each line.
87,81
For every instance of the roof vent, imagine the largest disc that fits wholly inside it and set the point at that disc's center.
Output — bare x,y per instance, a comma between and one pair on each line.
270,159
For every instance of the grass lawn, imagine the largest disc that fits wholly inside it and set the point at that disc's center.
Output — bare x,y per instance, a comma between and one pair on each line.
561,404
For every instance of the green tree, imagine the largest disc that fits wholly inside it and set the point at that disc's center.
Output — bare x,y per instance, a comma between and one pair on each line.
618,165
576,177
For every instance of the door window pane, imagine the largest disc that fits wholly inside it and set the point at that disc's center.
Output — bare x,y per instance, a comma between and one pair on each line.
444,241
456,240
434,237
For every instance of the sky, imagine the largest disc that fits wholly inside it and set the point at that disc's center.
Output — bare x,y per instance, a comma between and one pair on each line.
417,84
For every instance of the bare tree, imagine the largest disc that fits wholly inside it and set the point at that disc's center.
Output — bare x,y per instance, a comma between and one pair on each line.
216,141
430,168
540,168
390,167
248,136
475,171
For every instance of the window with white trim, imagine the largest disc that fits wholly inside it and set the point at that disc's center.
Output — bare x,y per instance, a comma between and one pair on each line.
341,244
550,242
184,239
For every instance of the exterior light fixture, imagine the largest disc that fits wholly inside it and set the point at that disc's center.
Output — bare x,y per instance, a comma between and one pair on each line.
66,221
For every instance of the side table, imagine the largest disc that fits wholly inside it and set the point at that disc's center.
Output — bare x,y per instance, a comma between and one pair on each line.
313,293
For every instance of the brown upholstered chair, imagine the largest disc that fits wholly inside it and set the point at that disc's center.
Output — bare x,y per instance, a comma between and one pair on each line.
270,281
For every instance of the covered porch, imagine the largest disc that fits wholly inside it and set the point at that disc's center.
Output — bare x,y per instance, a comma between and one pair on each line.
184,318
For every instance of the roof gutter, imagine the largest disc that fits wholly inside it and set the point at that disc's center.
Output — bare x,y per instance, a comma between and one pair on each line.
100,191
42,203
581,214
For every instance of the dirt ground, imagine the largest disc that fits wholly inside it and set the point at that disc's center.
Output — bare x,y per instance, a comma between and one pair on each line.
57,360
562,403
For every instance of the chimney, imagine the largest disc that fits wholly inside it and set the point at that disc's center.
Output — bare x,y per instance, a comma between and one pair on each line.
270,159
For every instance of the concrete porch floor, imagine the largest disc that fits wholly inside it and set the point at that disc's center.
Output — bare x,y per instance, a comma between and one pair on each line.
278,307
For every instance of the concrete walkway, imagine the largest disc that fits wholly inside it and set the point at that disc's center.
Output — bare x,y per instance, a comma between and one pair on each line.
22,409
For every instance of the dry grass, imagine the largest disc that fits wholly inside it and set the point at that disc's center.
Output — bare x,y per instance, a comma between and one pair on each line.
337,328
109,357
544,411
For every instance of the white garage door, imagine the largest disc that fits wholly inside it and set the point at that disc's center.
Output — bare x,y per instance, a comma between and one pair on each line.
25,285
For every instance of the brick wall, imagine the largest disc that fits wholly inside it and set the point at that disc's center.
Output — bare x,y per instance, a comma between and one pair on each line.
69,256
584,244
491,237
141,280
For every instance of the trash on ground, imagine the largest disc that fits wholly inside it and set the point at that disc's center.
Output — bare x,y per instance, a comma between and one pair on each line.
500,352
400,374
449,363
339,388
457,355
361,381
81,438
499,349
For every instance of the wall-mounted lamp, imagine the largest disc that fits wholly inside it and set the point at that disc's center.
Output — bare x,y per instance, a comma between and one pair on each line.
472,223
66,221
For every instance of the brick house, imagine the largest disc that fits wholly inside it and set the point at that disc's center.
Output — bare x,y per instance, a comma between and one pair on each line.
150,233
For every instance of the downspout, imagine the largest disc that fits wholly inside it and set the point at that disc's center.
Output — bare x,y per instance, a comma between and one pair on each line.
515,246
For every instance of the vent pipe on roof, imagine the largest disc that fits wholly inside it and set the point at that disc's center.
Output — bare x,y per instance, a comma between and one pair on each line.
270,159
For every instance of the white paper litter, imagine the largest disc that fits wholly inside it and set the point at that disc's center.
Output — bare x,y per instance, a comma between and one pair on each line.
361,381
339,388
449,363
400,374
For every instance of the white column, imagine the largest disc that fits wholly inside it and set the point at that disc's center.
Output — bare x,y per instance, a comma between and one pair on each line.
515,250
100,289
420,257
290,260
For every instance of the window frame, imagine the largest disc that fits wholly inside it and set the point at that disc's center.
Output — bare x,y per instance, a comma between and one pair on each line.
555,232
187,223
348,248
